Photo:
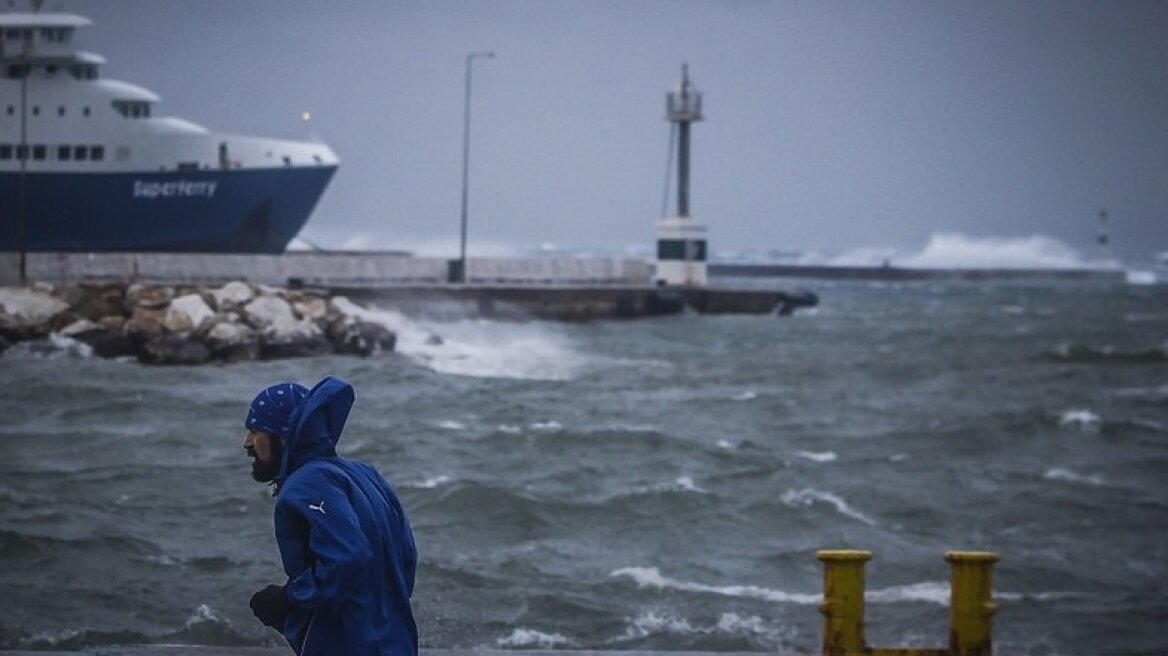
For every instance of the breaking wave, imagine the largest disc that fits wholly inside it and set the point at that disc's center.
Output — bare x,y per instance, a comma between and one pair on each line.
811,496
479,348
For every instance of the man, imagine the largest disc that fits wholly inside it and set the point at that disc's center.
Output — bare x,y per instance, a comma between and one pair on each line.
345,541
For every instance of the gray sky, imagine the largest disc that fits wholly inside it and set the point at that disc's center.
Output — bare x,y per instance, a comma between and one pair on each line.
830,126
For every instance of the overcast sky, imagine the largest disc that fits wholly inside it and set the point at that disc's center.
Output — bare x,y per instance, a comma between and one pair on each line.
830,126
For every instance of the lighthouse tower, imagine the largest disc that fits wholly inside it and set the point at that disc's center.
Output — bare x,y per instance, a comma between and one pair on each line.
681,241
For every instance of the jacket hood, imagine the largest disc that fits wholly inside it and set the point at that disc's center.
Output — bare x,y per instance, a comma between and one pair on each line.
316,425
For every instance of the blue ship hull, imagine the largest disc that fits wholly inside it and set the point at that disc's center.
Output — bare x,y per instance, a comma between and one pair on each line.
209,211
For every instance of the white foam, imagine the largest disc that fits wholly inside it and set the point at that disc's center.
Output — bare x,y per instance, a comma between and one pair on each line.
550,426
202,614
1140,277
521,637
817,456
1082,419
650,623
53,346
725,444
451,425
650,577
478,348
934,592
745,396
509,429
1064,474
432,482
955,250
810,496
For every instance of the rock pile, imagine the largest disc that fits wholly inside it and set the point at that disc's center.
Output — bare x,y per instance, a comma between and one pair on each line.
191,325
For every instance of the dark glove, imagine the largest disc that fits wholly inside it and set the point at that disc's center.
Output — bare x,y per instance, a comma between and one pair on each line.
271,606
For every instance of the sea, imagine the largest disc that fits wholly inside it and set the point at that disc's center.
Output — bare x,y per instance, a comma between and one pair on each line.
649,484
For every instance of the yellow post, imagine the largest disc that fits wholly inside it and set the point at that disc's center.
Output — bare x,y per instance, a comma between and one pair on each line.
843,601
971,605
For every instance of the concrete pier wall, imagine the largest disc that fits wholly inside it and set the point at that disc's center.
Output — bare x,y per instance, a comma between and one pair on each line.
320,269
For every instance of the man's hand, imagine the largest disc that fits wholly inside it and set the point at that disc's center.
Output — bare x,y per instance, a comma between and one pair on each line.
271,606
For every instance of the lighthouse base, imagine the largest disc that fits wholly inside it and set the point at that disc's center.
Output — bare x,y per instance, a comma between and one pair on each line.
681,252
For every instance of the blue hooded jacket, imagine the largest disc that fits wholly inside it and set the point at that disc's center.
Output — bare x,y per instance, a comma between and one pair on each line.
344,538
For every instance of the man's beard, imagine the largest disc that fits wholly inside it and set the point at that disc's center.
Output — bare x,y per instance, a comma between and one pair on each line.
265,472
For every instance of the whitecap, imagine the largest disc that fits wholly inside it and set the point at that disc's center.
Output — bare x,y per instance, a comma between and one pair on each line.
725,444
1064,474
651,577
935,592
817,456
521,637
432,482
202,614
509,429
650,623
809,496
451,425
1082,419
745,396
547,426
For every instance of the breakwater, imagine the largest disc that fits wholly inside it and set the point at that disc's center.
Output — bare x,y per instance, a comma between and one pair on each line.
564,289
160,324
831,272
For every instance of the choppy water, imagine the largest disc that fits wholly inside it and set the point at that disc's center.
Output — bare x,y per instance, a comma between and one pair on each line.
657,484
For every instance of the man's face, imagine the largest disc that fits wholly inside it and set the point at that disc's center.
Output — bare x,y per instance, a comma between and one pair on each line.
264,449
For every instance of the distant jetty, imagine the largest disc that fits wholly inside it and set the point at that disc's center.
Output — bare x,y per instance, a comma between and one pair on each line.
891,272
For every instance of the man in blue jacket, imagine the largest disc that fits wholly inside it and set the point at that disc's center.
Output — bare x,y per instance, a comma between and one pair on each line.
345,541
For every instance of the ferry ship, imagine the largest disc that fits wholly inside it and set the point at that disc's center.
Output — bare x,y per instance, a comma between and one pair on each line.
87,166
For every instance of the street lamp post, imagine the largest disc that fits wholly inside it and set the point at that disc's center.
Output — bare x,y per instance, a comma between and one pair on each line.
461,273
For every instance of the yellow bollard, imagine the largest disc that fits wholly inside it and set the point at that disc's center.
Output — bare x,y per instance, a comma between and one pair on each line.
971,605
843,601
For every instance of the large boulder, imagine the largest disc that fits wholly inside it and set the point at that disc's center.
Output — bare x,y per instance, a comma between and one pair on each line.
269,311
28,313
187,314
145,324
233,295
147,296
353,336
233,342
299,340
94,301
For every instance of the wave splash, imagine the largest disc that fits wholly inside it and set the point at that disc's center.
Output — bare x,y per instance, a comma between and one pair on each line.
479,348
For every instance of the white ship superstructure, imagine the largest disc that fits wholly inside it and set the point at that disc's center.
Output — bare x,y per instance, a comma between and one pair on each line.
87,164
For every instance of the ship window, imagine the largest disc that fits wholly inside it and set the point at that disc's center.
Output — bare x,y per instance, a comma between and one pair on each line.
39,151
287,161
51,69
21,151
63,153
80,153
5,151
97,153
11,110
83,71
61,111
122,153
18,71
85,111
36,110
